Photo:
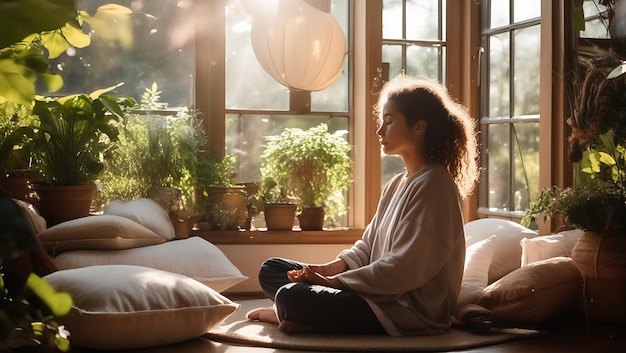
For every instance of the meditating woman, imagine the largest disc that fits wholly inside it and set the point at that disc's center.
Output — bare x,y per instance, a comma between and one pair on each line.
404,275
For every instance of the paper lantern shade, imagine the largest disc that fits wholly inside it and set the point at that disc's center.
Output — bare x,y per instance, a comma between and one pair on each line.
298,45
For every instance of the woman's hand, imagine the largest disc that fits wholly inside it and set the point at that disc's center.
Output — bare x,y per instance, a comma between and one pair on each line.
308,275
330,268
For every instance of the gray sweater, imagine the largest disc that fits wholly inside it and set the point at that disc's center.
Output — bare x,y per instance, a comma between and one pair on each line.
408,264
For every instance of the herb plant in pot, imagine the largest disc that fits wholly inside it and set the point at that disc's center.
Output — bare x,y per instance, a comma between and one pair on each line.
157,157
279,211
71,135
14,138
596,205
224,202
314,166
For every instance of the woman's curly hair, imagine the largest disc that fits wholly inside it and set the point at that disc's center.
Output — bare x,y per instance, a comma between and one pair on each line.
451,136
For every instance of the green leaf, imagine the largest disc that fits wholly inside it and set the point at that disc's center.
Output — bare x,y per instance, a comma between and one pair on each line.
75,35
55,43
53,82
578,18
14,83
606,158
19,19
106,15
59,303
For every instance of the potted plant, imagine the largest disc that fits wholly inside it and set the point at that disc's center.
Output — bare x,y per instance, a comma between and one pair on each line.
225,202
157,156
278,209
71,135
14,138
596,203
315,168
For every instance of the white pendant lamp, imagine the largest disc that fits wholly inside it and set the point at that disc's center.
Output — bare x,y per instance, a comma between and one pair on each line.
298,45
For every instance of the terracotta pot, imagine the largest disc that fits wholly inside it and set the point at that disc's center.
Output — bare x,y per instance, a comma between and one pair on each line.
312,218
279,216
182,227
58,204
228,208
601,260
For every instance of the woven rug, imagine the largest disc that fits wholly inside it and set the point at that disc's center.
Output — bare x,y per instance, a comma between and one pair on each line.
237,329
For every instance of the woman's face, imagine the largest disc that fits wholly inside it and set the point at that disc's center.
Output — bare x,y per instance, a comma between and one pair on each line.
393,133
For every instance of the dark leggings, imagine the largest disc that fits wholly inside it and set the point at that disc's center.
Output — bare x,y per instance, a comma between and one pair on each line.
327,309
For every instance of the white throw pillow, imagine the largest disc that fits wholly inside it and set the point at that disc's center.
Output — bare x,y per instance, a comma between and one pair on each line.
104,232
475,274
146,212
548,246
193,257
508,253
128,307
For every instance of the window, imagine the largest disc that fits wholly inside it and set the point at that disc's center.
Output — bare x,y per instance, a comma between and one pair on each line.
511,42
161,51
258,106
414,43
199,55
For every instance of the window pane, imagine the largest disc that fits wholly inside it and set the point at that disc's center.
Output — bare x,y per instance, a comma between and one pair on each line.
526,10
248,86
498,163
390,165
161,52
526,164
500,13
422,20
335,98
245,138
423,61
526,64
499,83
392,19
595,27
392,54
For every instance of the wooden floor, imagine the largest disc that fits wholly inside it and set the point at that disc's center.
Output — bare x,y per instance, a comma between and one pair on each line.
562,336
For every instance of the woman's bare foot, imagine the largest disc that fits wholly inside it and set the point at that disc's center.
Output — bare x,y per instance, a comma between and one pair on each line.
266,314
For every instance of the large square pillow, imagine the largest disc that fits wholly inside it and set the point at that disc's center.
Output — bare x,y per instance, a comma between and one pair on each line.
128,307
535,293
508,252
547,246
193,257
146,212
103,232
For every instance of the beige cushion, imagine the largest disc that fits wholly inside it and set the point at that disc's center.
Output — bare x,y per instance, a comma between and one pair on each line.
97,232
193,257
146,212
547,246
128,307
535,293
36,223
475,274
508,253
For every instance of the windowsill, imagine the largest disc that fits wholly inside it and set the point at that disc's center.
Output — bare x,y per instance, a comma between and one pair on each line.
296,236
